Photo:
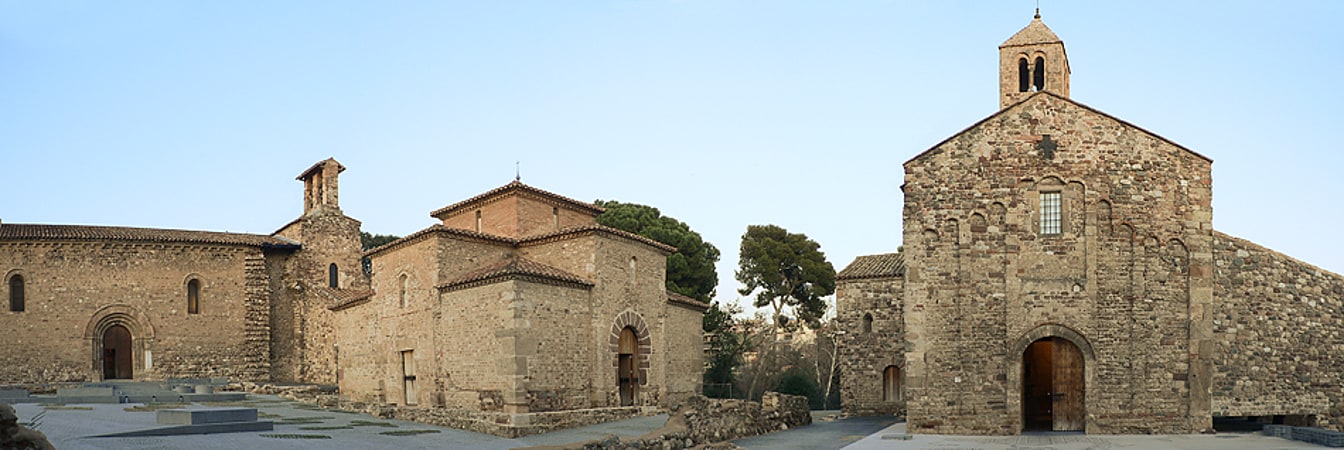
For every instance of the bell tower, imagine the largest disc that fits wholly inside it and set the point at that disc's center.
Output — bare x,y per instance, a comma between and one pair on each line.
1032,60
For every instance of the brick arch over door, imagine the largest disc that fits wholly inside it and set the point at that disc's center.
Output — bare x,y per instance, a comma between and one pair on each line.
630,319
135,321
1019,347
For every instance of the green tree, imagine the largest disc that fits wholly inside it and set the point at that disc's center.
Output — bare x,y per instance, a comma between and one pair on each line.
785,269
368,241
726,344
690,271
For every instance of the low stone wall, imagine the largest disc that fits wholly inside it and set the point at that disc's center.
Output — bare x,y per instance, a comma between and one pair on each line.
701,421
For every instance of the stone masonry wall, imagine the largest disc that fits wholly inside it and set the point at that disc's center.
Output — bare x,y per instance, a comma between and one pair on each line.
1279,327
1127,278
73,287
865,354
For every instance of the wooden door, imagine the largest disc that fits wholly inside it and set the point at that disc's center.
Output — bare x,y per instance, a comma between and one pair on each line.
1068,410
1038,386
408,377
627,367
117,353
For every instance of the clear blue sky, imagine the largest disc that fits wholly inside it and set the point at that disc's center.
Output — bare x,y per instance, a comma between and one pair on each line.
199,115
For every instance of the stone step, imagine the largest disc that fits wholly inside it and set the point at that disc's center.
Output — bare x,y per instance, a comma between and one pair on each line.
200,416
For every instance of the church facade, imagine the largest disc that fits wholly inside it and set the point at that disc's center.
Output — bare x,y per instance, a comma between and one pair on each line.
518,301
1060,271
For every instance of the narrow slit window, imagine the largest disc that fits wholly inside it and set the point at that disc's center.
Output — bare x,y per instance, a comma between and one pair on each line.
867,324
16,293
478,221
1050,213
403,291
333,276
194,297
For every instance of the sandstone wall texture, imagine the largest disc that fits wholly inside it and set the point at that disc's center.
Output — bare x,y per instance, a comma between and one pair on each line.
1279,335
76,289
869,310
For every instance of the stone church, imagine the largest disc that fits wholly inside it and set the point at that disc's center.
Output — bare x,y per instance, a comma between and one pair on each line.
1060,271
517,301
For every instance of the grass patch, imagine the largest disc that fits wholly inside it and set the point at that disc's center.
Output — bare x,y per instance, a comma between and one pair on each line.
69,408
154,407
268,415
294,436
370,423
327,427
408,432
297,420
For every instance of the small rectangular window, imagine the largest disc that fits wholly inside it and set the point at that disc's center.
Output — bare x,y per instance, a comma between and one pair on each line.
1050,213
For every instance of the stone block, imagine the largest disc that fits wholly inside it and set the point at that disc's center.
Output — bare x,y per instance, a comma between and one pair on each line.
203,416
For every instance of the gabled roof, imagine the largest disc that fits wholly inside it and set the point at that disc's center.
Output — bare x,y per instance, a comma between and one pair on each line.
515,187
20,231
318,166
538,239
686,302
339,299
1034,33
516,268
874,266
1060,97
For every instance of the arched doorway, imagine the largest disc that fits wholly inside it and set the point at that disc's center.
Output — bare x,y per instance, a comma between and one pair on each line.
117,353
627,366
1053,386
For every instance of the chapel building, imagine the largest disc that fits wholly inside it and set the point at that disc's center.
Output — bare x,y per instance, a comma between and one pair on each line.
516,302
1060,271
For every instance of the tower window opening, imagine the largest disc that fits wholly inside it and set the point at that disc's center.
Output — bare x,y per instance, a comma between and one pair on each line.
1038,75
16,293
478,221
194,297
333,276
1023,75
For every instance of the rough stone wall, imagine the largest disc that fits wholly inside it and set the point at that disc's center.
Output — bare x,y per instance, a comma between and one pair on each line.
865,354
552,354
685,350
1279,327
1128,277
302,346
72,286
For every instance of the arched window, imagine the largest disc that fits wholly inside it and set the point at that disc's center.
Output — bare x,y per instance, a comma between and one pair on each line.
1038,78
867,324
402,296
891,384
333,277
1023,75
194,296
16,293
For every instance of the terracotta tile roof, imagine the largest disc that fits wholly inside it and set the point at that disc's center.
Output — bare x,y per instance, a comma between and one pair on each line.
595,228
515,186
318,165
20,231
1034,33
344,298
686,302
439,228
874,266
515,268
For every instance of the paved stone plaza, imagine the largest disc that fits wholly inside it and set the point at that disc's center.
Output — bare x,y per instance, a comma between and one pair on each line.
301,425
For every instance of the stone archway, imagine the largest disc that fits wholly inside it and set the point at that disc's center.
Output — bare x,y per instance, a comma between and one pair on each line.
1051,365
630,346
128,334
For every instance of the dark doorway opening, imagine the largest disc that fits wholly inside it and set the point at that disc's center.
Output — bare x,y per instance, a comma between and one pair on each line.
1053,386
627,367
117,353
